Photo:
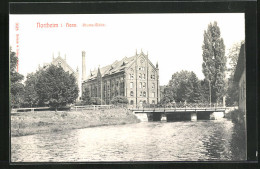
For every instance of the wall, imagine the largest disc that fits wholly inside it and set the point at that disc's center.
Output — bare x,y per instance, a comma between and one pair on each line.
242,92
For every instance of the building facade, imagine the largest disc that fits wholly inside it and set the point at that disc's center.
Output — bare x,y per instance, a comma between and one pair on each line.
135,77
240,77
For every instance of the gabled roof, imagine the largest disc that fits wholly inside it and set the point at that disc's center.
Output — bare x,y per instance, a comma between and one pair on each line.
64,62
241,62
59,58
115,67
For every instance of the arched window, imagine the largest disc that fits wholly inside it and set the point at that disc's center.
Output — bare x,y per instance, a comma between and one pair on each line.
131,85
141,93
131,93
140,76
131,102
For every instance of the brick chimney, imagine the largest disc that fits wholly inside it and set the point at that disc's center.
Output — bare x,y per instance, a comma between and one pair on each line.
83,66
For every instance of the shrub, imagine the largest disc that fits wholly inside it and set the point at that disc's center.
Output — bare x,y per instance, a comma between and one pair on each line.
119,100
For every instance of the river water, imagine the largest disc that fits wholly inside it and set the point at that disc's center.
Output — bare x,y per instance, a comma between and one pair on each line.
145,141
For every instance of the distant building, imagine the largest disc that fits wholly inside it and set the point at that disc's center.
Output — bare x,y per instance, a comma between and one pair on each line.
135,78
240,77
59,61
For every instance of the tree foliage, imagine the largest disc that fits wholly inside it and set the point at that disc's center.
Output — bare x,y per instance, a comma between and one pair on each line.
214,61
96,101
16,87
31,98
233,89
86,97
119,100
232,57
184,86
56,88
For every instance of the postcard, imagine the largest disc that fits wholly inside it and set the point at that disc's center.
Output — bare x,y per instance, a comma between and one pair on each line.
128,87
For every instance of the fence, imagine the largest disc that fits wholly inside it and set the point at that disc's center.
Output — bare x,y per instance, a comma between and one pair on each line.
93,107
32,109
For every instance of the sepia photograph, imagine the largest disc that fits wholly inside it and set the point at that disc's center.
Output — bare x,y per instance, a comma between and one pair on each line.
127,87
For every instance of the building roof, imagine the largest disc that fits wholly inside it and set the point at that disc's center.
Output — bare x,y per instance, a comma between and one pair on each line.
65,65
241,62
115,67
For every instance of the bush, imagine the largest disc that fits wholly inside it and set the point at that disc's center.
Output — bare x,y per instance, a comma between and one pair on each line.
119,100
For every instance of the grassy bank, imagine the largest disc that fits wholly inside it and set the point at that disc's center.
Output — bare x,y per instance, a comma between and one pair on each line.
238,145
28,123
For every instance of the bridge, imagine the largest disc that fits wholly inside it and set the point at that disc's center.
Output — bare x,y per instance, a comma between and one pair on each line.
181,114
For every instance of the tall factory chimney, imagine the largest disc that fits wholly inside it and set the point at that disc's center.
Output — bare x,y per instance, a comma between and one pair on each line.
83,66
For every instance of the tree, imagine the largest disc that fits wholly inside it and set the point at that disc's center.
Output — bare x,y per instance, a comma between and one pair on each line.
168,95
17,88
86,97
176,83
184,86
119,100
232,57
56,88
214,61
31,97
195,86
233,89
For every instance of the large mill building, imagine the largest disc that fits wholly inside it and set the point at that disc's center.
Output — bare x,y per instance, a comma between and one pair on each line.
133,77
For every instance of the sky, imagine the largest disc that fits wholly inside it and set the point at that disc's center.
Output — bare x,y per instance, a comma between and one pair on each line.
173,40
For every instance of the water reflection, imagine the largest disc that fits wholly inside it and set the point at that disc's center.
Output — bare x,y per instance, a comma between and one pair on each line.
147,141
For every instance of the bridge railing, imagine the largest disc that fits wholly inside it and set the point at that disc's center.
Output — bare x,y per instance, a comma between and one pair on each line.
183,105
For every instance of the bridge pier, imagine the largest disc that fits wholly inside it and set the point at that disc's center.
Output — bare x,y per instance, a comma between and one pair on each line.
193,116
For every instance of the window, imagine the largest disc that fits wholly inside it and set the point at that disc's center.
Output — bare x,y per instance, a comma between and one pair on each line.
140,76
152,76
143,76
153,94
131,76
131,93
140,85
141,68
141,93
131,102
153,101
144,94
153,86
144,85
131,85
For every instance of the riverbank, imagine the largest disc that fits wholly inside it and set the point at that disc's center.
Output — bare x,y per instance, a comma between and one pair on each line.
239,145
29,123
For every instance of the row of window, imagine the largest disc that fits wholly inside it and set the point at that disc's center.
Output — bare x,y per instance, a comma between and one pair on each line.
142,94
141,85
141,76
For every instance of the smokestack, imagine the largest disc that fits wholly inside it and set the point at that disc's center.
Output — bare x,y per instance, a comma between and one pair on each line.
83,66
